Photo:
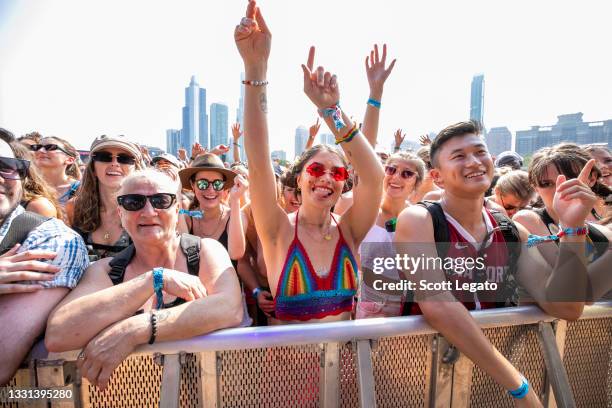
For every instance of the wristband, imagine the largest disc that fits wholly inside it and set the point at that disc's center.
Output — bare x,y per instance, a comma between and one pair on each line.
236,144
255,83
191,213
374,103
158,285
349,136
153,327
396,148
521,391
534,240
335,113
256,292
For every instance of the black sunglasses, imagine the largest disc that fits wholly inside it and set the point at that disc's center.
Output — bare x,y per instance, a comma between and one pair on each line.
107,157
135,202
48,147
406,174
13,169
217,184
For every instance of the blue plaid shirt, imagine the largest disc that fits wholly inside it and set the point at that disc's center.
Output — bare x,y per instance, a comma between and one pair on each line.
54,235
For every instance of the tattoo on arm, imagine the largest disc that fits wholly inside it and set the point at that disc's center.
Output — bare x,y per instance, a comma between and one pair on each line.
162,315
263,102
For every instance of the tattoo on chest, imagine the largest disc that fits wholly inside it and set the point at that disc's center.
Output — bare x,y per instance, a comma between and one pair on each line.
263,102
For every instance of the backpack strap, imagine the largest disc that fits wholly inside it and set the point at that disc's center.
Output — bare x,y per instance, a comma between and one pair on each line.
600,241
119,263
190,244
513,242
440,227
20,227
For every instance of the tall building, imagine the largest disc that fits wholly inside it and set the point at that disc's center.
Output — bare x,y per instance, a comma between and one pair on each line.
218,124
477,99
499,139
569,128
240,115
173,141
301,138
195,120
278,154
328,139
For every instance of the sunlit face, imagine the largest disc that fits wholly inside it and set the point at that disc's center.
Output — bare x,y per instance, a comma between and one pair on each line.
209,198
402,182
464,166
111,174
511,203
149,224
52,158
10,190
322,191
291,201
604,162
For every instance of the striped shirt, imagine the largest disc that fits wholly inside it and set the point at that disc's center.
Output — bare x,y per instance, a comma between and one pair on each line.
53,235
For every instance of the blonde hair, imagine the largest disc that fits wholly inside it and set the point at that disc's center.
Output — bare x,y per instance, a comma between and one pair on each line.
412,159
515,182
157,177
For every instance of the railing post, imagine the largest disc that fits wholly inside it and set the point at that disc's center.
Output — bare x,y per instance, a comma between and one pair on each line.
50,373
211,374
171,381
330,376
367,392
555,370
462,381
441,375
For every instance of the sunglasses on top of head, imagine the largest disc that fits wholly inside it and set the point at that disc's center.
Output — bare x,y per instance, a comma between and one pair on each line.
405,174
48,147
107,157
135,202
13,169
318,170
216,184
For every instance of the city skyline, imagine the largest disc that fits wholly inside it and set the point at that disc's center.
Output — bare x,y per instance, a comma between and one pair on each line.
130,80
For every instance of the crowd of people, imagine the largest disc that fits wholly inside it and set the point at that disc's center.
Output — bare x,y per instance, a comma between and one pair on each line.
127,249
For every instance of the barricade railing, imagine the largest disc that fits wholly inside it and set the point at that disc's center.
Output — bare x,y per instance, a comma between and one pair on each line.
379,362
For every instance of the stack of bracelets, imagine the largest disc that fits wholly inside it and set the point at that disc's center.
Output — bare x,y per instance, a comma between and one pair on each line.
349,136
534,240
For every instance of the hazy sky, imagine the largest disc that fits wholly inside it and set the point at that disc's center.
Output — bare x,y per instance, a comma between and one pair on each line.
80,68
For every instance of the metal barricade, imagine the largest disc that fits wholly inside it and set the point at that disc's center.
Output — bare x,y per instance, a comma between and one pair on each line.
392,362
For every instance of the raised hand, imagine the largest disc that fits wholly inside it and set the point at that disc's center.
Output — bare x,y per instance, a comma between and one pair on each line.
314,129
253,37
182,154
197,150
424,140
240,186
320,86
236,132
399,138
220,149
376,71
573,198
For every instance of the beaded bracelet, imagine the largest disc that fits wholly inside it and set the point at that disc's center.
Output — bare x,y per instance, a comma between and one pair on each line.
335,113
521,391
153,327
349,136
534,240
255,82
158,285
374,103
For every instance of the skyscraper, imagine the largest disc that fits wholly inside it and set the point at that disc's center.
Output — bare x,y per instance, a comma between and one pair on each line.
328,139
499,139
173,141
301,137
477,99
278,154
195,120
218,124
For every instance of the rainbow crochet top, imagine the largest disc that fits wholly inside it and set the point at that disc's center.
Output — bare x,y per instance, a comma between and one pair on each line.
302,295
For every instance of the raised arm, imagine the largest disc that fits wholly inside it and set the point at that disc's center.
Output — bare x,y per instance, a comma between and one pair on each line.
312,133
377,75
237,222
236,134
322,89
253,39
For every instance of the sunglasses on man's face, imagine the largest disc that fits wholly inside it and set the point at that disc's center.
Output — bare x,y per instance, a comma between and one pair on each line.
217,184
107,157
48,147
135,202
405,174
13,169
318,170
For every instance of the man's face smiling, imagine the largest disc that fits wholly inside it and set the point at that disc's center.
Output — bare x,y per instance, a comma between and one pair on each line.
464,166
10,190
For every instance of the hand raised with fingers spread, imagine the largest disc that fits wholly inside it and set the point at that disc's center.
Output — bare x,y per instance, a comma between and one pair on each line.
573,198
320,86
376,71
253,37
314,129
236,132
424,140
220,149
399,138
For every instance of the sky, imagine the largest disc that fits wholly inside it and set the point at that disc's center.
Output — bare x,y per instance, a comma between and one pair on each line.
81,68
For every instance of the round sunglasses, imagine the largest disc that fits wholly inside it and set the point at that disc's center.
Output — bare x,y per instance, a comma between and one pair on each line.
135,202
317,169
203,184
405,174
107,157
48,147
13,169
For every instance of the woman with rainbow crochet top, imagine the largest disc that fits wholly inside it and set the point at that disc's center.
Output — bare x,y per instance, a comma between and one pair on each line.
309,254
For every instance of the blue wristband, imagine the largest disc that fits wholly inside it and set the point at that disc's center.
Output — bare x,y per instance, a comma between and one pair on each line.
521,391
374,103
158,285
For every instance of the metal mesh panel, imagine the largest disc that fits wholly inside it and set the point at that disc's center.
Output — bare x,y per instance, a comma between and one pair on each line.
520,344
13,383
275,377
191,384
402,368
588,361
349,393
135,383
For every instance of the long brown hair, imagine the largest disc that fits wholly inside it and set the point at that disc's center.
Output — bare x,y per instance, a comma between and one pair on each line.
73,169
34,186
87,201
